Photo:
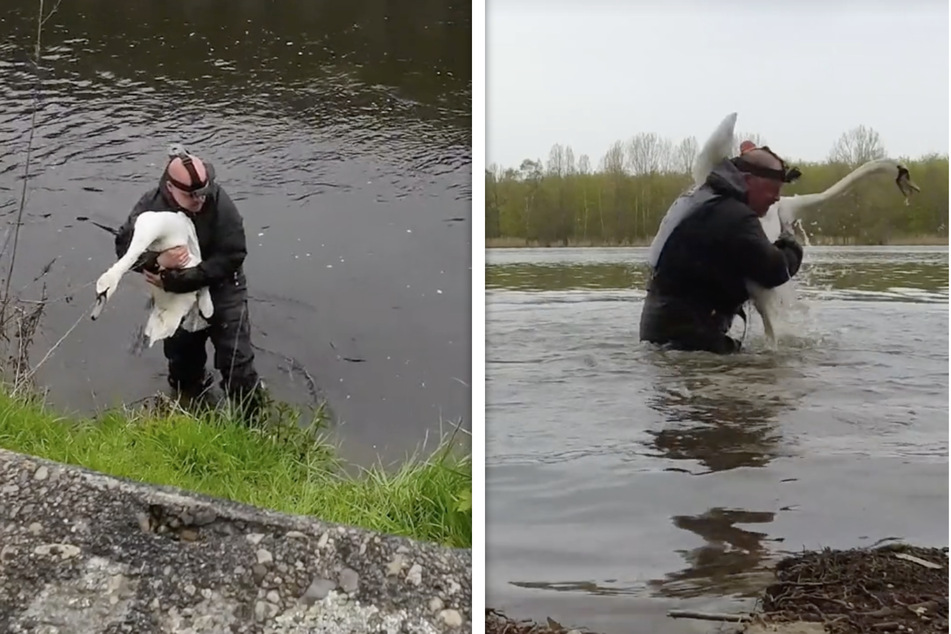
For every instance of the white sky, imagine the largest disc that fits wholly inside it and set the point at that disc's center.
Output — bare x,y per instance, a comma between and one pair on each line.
799,73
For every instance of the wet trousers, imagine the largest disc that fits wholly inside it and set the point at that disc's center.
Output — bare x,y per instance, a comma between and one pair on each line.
682,325
230,335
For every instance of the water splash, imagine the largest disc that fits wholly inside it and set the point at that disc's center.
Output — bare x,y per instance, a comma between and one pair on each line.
783,313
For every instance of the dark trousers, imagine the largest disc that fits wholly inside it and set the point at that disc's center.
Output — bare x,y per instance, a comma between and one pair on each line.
680,324
230,334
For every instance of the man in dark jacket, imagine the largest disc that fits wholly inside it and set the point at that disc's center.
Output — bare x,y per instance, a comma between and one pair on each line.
708,246
188,185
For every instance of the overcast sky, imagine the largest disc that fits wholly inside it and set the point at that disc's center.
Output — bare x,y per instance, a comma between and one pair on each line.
799,73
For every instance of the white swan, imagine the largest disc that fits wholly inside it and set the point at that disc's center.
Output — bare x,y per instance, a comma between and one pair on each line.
159,231
784,213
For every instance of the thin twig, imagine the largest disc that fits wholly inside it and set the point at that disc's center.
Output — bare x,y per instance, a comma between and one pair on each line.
40,20
919,561
57,344
709,616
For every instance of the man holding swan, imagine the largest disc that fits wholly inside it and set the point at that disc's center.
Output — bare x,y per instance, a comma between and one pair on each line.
709,244
188,185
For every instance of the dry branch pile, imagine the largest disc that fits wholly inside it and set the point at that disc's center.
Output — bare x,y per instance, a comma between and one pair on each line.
895,588
498,623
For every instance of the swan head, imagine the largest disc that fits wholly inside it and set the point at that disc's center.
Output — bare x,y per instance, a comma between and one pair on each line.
105,287
905,185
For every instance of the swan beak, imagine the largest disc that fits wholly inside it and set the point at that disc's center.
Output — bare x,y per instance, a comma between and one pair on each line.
97,308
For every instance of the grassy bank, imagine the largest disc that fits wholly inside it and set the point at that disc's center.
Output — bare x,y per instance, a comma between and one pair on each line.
910,240
281,467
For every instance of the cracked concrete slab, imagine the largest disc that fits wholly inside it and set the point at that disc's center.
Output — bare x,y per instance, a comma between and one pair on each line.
81,551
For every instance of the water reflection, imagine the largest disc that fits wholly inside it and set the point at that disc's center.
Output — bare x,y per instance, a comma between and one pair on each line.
732,560
850,275
721,413
554,277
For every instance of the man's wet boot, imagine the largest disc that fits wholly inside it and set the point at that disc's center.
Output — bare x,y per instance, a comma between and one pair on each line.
252,405
200,394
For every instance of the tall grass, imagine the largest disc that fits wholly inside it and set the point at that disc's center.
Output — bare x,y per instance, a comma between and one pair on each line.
280,466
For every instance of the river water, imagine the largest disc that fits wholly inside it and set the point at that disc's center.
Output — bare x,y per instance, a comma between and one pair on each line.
622,481
343,133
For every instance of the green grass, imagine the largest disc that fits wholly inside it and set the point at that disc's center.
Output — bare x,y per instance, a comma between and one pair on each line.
280,466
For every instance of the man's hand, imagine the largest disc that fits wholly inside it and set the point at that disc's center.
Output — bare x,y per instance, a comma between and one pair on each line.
154,279
174,258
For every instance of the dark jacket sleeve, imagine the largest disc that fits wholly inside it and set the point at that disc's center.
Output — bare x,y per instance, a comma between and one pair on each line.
230,250
148,260
756,258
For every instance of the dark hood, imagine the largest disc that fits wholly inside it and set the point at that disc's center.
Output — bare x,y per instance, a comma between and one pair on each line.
725,179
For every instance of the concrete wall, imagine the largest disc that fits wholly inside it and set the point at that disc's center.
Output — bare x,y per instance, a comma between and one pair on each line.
81,552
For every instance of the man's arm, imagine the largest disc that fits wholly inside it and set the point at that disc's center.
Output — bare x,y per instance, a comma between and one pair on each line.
229,253
769,264
148,261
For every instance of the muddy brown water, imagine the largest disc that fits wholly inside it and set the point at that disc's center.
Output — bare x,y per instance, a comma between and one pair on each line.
342,131
622,482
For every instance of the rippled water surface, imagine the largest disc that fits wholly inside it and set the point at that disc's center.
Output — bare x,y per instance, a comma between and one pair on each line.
623,481
342,131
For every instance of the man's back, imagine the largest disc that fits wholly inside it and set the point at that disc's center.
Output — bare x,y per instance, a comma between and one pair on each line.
698,263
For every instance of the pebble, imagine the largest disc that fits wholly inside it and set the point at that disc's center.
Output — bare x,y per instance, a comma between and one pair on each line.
415,575
394,566
451,618
274,597
255,538
317,590
36,528
41,474
295,535
203,517
188,535
349,580
264,557
65,551
435,604
10,489
259,572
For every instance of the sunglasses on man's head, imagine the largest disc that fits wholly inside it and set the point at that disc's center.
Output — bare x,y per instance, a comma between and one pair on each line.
197,188
781,175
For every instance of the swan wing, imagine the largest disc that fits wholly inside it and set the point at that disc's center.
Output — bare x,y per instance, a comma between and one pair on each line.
716,148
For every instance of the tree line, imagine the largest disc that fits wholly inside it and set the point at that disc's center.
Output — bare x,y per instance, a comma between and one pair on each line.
567,201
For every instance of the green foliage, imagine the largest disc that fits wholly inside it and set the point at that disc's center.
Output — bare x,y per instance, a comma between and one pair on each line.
279,466
566,202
